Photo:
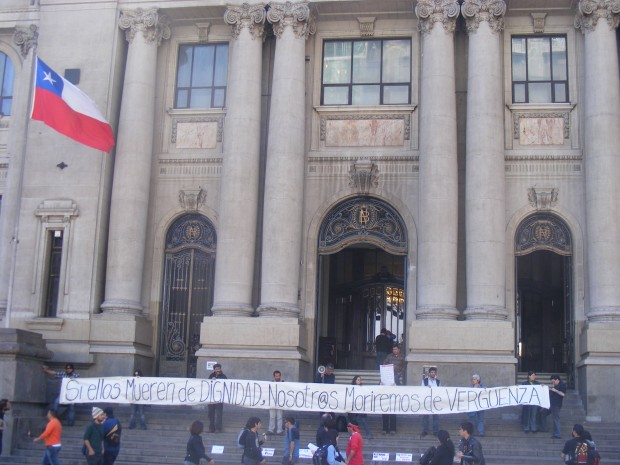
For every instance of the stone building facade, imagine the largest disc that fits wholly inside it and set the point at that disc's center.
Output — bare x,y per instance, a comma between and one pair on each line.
290,177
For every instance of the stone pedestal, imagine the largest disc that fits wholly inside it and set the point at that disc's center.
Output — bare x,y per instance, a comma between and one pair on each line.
22,382
599,349
467,347
252,348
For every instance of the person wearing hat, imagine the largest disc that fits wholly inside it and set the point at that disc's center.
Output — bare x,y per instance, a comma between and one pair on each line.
355,446
68,373
93,438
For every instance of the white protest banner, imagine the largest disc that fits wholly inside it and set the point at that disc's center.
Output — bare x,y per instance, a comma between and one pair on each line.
309,397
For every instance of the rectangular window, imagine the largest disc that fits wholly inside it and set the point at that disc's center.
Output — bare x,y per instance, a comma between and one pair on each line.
7,75
52,273
539,69
366,72
202,74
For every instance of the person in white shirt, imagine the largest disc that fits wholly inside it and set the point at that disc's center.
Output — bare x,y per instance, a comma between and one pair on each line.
432,382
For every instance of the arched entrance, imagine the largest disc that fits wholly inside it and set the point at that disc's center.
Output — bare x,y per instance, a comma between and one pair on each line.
187,293
362,261
545,333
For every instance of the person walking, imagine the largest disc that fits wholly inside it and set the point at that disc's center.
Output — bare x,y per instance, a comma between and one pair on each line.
355,446
444,454
112,437
51,437
195,447
252,453
470,449
93,438
291,442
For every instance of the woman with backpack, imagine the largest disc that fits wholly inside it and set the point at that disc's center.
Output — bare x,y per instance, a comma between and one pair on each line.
252,453
195,446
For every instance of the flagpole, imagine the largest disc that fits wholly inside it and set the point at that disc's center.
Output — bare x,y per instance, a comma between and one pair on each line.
20,186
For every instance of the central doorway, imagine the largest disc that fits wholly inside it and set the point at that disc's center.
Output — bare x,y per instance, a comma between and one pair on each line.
545,330
362,263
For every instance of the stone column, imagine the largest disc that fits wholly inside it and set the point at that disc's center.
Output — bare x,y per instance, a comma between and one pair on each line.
26,38
236,243
485,203
144,30
598,19
438,182
284,181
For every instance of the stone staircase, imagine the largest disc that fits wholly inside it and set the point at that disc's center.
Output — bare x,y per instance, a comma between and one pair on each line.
164,441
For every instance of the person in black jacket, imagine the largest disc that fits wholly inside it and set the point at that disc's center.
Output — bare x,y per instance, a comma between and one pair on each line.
252,453
195,447
470,449
444,455
216,411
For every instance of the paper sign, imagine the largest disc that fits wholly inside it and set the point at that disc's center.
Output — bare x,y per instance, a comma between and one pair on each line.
305,454
380,456
210,364
403,457
312,447
387,375
268,452
217,449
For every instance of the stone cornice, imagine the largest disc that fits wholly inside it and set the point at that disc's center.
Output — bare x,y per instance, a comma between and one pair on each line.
430,12
250,16
295,15
476,11
590,11
26,37
154,26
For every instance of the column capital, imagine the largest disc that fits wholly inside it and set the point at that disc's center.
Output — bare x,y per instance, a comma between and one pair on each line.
26,37
430,12
590,11
246,15
476,11
154,26
295,15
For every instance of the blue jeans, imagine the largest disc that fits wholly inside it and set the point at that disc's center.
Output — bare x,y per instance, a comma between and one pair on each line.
51,456
137,410
477,419
435,423
70,411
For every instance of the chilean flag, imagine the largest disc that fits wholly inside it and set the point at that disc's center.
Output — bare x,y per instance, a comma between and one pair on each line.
68,110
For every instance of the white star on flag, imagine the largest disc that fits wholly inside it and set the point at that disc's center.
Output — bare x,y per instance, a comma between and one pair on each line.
48,77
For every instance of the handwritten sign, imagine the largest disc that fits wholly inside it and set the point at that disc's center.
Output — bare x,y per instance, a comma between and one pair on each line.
404,457
217,449
268,451
380,456
309,397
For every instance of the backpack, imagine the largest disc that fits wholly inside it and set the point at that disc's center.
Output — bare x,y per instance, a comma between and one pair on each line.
320,456
581,453
428,455
594,458
113,438
241,438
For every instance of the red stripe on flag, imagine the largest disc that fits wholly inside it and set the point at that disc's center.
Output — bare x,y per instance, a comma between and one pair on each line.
55,113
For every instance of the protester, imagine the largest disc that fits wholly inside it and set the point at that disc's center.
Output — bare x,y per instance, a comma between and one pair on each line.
252,453
355,446
291,442
112,437
51,437
93,438
477,418
359,419
470,449
444,454
137,410
195,447
68,373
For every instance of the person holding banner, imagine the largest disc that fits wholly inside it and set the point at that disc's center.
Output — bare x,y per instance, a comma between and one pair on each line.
216,411
477,417
529,414
432,382
68,373
275,414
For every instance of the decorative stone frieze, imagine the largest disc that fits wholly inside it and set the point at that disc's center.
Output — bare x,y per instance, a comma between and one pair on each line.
538,20
542,198
26,37
373,118
197,126
543,231
155,27
192,199
590,11
295,15
363,175
367,26
203,32
492,11
430,12
564,116
246,15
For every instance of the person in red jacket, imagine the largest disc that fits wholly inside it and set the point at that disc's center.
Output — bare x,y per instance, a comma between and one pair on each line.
355,447
51,437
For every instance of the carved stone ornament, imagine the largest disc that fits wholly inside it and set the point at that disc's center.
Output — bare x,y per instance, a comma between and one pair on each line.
430,12
203,32
363,175
590,11
246,15
543,231
295,15
154,27
538,20
26,38
367,26
492,11
542,198
192,199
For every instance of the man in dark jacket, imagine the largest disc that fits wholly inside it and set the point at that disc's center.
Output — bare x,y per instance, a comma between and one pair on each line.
556,396
216,411
470,449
